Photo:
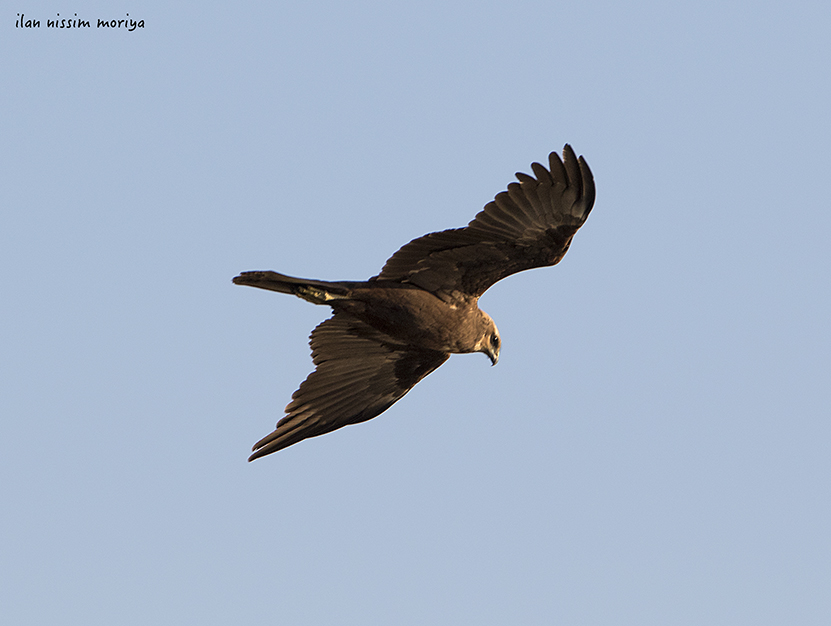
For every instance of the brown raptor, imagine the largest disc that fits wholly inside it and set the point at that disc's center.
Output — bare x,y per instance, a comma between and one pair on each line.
389,332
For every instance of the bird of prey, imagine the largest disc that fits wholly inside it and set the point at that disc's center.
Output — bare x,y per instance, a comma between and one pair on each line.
389,332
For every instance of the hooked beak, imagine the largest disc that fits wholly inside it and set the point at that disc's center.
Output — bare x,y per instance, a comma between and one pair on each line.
493,355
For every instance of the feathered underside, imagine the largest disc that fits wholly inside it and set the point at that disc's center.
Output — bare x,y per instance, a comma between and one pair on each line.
387,334
529,225
360,373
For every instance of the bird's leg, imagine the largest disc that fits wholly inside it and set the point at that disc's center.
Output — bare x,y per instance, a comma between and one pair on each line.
316,295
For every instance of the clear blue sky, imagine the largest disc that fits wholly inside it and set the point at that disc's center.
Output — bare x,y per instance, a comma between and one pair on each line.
653,447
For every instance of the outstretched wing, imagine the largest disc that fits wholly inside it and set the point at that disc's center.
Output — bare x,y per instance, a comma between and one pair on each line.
360,373
529,225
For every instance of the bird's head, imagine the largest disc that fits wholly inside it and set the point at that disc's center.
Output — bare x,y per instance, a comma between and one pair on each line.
489,343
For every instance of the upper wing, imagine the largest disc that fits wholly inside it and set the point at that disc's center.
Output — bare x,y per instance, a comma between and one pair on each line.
360,373
529,225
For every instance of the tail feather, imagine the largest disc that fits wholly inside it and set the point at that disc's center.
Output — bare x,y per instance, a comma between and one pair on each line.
315,291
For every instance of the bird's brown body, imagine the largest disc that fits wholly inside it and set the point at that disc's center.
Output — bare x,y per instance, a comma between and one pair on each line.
417,317
389,332
407,314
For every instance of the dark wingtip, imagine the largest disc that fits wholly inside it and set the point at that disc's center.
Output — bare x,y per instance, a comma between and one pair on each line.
580,173
259,451
261,448
589,192
271,443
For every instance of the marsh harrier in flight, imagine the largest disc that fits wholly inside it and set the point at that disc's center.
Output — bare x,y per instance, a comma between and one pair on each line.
389,332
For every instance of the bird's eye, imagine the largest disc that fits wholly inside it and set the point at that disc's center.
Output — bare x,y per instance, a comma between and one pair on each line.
495,340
